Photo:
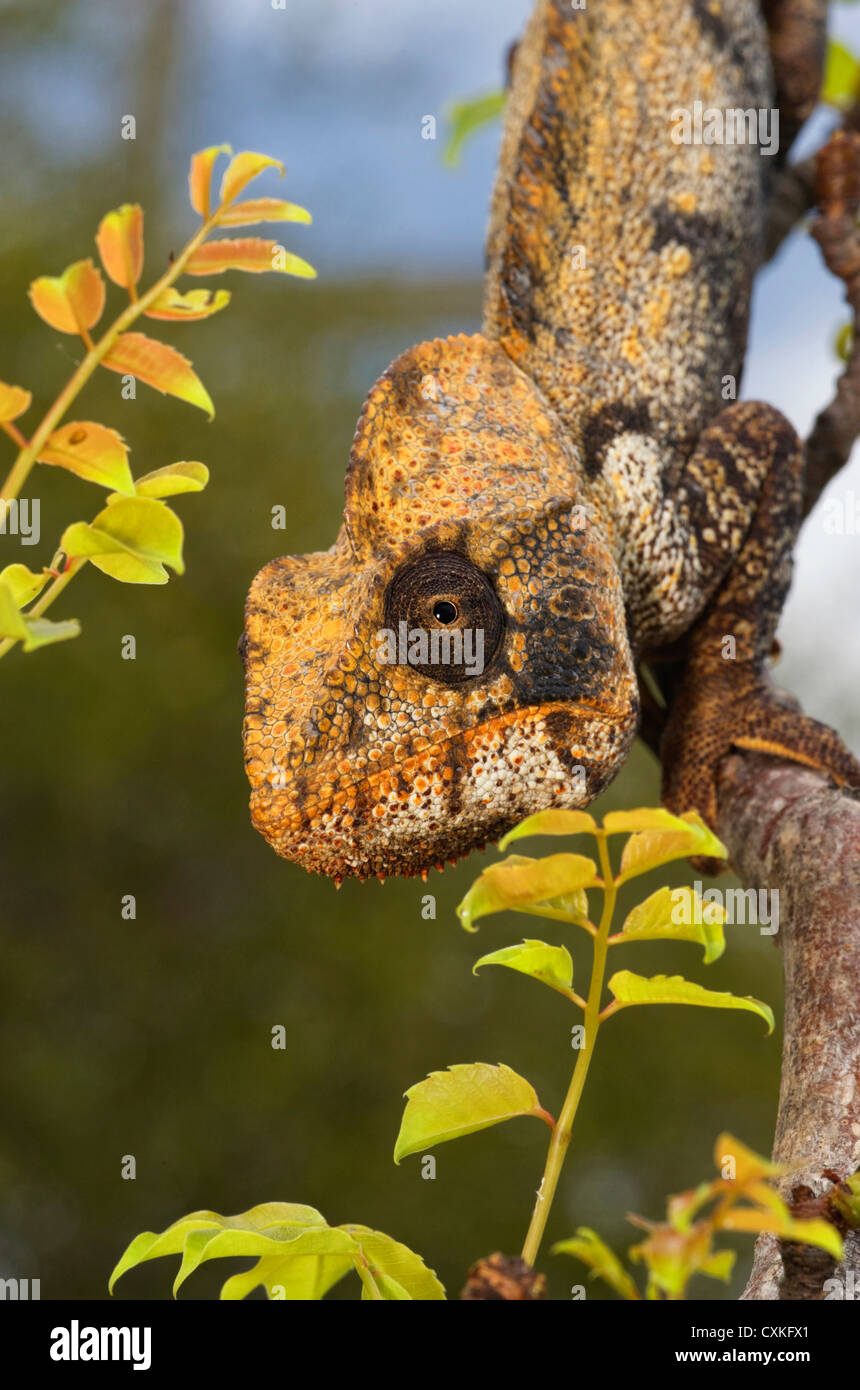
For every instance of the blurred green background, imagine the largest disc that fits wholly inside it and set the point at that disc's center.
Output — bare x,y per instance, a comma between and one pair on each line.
152,1037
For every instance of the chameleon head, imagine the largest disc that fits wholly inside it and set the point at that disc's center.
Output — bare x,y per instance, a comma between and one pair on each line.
459,658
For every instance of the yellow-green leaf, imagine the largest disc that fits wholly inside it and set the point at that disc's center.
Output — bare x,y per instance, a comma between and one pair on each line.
289,1277
189,307
23,583
71,302
120,243
551,964
519,882
781,1223
388,1259
42,632
159,366
14,400
642,818
32,633
551,823
673,1257
286,1242
131,540
90,451
467,117
677,914
247,253
263,210
286,1218
200,177
587,1246
674,989
12,624
748,1165
846,1197
462,1100
242,169
173,479
651,848
841,85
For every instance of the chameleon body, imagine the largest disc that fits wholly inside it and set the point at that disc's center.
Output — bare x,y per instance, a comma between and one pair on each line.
575,482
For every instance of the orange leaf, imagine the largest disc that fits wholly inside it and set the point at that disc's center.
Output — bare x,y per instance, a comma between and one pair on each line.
200,176
71,302
14,400
242,169
120,242
159,366
194,304
262,210
91,451
249,253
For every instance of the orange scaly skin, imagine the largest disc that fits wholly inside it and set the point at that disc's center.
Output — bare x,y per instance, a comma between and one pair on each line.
569,483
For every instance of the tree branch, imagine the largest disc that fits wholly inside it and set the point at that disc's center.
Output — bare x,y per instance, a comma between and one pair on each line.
788,830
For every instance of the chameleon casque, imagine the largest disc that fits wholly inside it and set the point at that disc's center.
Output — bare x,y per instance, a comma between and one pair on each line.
571,481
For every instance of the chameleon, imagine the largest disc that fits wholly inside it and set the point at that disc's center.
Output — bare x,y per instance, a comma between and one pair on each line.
577,482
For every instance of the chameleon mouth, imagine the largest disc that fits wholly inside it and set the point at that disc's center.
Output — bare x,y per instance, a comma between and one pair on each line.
446,799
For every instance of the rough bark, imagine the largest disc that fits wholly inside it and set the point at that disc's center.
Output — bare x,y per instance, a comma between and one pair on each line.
787,829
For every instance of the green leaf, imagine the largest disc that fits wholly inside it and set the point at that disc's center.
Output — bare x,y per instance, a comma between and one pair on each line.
292,1276
747,1164
287,1242
772,1214
131,540
719,1265
300,1255
677,914
467,117
587,1246
551,823
169,481
41,632
845,342
519,883
673,1257
847,1199
12,624
643,818
551,964
398,1271
388,1289
173,479
841,76
462,1100
31,632
285,1219
654,847
23,583
674,989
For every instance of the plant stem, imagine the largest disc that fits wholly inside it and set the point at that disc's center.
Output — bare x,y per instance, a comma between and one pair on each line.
27,457
562,1133
14,433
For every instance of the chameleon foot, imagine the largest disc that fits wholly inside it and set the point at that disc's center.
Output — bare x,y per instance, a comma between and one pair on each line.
723,710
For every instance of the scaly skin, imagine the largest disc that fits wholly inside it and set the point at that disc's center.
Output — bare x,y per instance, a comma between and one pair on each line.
570,482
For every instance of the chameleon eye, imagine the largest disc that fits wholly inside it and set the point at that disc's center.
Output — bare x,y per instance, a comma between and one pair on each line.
444,611
443,596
